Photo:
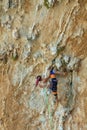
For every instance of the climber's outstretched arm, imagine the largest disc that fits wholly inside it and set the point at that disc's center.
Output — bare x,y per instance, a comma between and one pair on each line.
41,85
60,73
46,79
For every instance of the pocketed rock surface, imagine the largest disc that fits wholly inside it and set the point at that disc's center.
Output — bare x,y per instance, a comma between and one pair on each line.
33,35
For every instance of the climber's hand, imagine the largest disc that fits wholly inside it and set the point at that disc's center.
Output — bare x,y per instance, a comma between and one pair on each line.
64,74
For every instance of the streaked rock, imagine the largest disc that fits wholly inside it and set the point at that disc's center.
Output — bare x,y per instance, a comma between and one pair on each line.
15,34
73,64
26,51
53,49
58,62
66,58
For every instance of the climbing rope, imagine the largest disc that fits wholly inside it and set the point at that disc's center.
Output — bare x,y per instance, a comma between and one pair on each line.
49,109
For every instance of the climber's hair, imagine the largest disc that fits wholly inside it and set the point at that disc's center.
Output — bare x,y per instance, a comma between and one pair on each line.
39,78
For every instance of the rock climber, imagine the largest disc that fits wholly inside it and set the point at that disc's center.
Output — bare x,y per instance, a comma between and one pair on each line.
53,80
41,82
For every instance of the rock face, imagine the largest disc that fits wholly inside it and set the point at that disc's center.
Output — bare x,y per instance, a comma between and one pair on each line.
35,34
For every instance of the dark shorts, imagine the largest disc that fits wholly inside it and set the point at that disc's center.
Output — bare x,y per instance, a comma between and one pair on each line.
53,85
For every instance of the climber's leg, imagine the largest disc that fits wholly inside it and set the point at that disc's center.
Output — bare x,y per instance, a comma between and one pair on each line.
54,90
56,98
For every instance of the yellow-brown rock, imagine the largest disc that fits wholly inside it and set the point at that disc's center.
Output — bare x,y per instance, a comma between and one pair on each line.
39,35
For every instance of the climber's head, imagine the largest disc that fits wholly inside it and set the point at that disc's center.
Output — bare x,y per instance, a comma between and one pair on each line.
38,78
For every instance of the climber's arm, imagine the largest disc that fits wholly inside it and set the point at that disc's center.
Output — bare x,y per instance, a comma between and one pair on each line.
46,79
41,85
60,73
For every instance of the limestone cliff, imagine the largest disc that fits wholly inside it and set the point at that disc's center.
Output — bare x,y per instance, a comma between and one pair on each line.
33,35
